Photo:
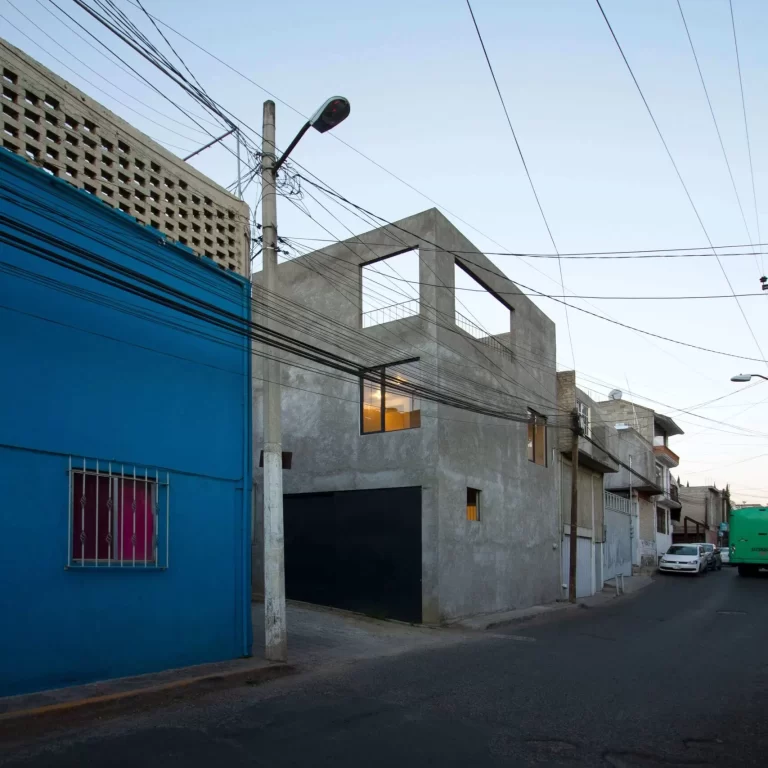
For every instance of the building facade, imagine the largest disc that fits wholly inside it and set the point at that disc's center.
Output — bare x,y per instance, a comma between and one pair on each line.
409,507
124,444
704,509
60,129
594,519
643,446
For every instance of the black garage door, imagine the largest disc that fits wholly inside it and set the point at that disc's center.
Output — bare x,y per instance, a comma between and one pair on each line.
358,550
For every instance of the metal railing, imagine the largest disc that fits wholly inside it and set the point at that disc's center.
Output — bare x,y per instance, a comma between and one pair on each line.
391,312
118,515
477,333
618,503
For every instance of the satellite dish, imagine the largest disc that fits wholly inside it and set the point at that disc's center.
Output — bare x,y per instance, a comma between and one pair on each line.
615,394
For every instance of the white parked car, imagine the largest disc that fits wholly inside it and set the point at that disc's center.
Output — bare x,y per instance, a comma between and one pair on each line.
684,558
725,555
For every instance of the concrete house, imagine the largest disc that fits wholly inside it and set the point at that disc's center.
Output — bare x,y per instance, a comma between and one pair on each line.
408,506
57,127
644,445
603,532
704,508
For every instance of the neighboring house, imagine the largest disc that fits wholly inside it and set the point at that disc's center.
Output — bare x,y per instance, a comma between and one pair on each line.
704,508
644,444
593,519
58,128
403,506
124,445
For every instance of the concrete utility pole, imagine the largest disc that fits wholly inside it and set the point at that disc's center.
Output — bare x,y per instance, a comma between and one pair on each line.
276,633
573,540
331,113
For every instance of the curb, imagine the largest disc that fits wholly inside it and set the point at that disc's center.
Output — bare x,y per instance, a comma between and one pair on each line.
151,694
531,616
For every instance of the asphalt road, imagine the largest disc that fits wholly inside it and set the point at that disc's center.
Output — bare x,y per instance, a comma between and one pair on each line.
676,675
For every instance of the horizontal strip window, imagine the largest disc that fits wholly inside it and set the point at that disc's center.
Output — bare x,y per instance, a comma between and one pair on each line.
118,516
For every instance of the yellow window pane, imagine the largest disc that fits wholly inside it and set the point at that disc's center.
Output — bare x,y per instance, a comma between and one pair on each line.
371,407
402,412
473,504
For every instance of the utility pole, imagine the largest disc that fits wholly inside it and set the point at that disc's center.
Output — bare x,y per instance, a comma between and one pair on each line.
332,112
573,540
276,634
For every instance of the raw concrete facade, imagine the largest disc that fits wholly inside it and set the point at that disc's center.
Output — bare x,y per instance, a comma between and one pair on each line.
58,128
508,559
703,504
594,464
643,445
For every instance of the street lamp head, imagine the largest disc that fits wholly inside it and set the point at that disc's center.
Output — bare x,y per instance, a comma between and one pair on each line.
333,112
742,377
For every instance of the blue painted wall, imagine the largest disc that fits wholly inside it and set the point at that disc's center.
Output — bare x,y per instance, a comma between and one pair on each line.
81,375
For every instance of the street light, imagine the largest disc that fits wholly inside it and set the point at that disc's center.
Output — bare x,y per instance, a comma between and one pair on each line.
744,377
330,114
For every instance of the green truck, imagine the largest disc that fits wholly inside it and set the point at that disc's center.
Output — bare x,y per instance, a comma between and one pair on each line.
749,539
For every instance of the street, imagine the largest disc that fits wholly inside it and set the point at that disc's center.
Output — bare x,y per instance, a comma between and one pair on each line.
675,675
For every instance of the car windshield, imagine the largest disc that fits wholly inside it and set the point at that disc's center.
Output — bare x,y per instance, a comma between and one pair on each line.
680,550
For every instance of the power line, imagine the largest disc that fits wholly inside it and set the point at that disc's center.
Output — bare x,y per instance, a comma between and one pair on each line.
527,172
717,127
96,72
336,137
746,123
560,296
548,296
661,253
680,178
120,66
359,152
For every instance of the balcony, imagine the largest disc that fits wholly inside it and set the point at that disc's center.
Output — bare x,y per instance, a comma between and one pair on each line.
666,456
477,333
389,314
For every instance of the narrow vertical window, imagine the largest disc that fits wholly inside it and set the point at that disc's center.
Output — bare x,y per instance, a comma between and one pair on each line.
473,504
537,438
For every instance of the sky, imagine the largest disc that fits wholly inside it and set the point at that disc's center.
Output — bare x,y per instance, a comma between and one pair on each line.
424,107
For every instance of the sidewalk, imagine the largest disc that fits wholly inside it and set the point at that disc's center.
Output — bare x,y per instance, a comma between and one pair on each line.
632,584
318,638
150,688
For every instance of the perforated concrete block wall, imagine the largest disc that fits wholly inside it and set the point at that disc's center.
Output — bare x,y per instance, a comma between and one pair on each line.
60,129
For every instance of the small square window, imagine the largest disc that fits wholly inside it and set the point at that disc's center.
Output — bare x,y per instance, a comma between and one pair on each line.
473,505
117,518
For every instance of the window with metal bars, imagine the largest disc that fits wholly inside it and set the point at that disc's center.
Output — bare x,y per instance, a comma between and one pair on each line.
118,516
